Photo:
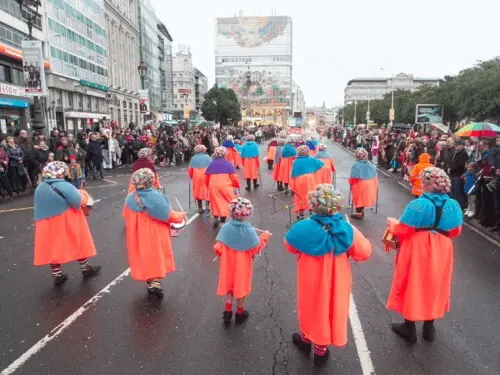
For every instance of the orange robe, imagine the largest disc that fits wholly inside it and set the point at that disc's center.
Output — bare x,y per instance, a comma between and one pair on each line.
232,155
197,176
325,174
416,183
421,286
285,170
364,192
251,168
149,247
237,160
235,273
276,171
324,290
63,238
271,153
221,191
302,186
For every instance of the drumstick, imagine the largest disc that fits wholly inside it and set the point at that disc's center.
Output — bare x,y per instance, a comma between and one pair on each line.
262,231
179,204
217,257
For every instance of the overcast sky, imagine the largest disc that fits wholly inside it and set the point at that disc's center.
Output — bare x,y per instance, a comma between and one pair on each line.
334,42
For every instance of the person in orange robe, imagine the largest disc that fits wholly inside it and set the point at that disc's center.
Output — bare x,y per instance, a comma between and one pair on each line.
148,216
251,162
271,153
237,244
145,160
416,184
223,185
62,234
231,151
288,155
197,167
277,159
304,178
421,287
237,145
323,245
327,174
364,183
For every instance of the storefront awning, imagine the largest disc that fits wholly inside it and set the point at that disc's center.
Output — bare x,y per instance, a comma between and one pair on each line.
15,103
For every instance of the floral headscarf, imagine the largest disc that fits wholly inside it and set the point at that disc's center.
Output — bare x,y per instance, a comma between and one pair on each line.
282,134
303,150
229,138
251,137
436,180
143,179
361,153
219,152
322,147
240,208
200,149
55,169
325,200
144,153
290,140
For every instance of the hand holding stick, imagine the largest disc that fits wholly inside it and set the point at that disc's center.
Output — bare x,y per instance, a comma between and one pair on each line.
178,203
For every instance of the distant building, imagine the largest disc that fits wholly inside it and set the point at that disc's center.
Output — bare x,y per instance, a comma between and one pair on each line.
298,101
363,89
200,87
320,115
184,83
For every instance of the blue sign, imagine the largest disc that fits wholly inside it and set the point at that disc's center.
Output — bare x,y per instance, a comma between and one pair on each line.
299,121
6,102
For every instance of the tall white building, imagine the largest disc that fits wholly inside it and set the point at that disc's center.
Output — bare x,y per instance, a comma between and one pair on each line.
201,88
122,26
298,101
184,83
363,89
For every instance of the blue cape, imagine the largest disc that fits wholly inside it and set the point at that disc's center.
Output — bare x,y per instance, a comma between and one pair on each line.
238,147
311,145
277,156
420,213
288,151
250,150
314,142
323,155
238,235
228,144
304,165
49,204
200,161
310,236
220,166
155,204
363,170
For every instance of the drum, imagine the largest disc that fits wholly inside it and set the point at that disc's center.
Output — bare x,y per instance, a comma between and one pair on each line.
176,229
390,241
87,202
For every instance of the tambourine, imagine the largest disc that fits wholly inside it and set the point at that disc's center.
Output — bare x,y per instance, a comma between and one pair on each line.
176,228
390,241
87,202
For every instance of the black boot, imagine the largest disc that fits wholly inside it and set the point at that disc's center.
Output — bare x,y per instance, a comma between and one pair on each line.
216,222
222,219
59,280
429,331
227,316
299,343
270,164
406,330
280,186
91,271
242,317
255,185
320,360
249,185
286,189
157,292
200,206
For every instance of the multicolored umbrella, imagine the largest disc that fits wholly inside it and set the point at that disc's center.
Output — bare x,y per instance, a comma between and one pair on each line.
479,130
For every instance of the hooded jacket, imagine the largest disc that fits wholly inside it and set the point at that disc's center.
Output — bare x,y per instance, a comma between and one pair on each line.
416,183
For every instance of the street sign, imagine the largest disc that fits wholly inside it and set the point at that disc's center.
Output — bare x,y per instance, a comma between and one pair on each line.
186,111
184,91
429,113
392,114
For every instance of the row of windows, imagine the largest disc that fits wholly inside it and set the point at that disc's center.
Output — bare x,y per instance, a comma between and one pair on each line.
61,4
75,37
11,75
11,36
12,7
56,53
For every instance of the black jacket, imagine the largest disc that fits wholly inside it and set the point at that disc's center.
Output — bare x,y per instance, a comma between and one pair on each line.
458,161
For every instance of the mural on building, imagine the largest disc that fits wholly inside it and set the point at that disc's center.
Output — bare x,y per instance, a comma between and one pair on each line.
251,32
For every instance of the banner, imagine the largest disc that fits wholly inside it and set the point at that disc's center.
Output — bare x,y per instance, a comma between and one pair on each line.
144,102
429,113
186,111
33,71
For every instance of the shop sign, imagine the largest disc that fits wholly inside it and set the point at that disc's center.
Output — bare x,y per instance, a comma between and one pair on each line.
6,89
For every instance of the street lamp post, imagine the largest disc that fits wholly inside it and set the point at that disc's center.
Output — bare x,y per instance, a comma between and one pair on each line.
355,110
392,101
37,124
248,84
143,71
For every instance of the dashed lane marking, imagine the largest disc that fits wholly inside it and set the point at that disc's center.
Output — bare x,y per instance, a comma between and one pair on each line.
16,209
44,341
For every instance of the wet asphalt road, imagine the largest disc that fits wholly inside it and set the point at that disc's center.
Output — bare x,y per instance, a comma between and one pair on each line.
125,332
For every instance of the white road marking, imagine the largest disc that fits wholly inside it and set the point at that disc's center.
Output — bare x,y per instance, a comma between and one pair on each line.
1,237
182,169
97,200
360,341
383,172
55,332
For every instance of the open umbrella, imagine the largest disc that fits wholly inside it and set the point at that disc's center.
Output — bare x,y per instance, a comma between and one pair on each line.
479,130
442,128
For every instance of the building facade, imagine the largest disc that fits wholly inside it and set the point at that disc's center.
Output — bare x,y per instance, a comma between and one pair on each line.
253,56
15,107
166,74
78,48
184,83
201,88
122,26
363,89
298,101
320,115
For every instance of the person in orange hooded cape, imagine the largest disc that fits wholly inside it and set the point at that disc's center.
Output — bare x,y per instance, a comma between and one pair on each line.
323,244
325,175
271,153
223,185
251,162
62,234
237,145
277,163
197,167
421,287
231,151
148,216
288,156
364,183
145,160
312,144
416,184
304,179
237,244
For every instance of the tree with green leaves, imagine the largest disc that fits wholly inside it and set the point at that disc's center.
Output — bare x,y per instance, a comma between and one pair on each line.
221,105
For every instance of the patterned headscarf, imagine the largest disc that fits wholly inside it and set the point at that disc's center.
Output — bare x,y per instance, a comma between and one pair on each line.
251,137
322,147
281,141
282,134
55,169
290,140
435,180
143,178
240,208
325,200
303,150
144,153
200,149
219,152
229,138
361,153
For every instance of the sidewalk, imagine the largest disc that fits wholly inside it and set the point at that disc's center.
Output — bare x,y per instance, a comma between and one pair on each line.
470,223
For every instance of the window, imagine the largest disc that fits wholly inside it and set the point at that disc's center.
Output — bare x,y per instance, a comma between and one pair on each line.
70,99
5,73
17,76
130,105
